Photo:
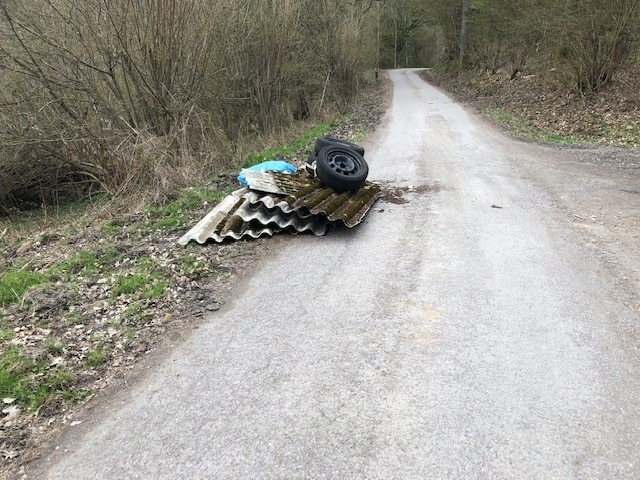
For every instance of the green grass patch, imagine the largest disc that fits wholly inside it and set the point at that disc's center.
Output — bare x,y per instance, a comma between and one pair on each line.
74,318
96,357
173,215
115,324
285,151
129,284
141,285
111,229
86,262
193,268
6,332
54,346
522,128
14,284
168,222
31,382
154,290
196,195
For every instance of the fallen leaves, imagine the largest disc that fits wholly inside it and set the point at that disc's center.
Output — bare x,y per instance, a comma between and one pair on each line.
551,113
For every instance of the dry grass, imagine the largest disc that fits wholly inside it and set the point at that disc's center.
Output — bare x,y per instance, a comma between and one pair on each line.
119,97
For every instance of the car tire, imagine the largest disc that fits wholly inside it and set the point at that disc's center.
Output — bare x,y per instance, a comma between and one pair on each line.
323,142
341,168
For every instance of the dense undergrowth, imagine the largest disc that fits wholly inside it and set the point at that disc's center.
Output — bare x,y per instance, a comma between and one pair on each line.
152,95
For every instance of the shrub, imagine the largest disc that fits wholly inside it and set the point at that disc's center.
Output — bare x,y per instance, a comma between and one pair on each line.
115,96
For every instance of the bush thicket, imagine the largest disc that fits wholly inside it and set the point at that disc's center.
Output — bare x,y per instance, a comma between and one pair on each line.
585,42
117,95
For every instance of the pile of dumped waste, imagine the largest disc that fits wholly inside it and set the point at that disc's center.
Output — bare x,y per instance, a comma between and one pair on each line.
330,190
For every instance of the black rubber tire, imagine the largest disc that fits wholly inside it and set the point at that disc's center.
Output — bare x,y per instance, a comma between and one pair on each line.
341,168
323,142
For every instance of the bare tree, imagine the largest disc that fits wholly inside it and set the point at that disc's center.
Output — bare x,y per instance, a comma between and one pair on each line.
597,37
118,95
464,32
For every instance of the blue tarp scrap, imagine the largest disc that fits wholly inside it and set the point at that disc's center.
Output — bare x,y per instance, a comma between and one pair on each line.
270,166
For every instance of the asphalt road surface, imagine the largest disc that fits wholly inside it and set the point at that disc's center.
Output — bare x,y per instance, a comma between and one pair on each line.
472,332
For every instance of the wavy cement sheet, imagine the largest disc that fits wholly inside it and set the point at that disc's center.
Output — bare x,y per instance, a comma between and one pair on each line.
311,207
237,217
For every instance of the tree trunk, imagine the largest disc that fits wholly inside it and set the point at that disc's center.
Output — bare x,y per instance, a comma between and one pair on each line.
464,33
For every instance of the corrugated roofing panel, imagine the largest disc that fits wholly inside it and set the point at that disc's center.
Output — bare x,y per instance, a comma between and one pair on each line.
303,204
276,182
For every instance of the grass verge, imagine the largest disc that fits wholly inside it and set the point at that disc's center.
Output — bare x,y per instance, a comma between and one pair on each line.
520,127
31,382
14,284
284,152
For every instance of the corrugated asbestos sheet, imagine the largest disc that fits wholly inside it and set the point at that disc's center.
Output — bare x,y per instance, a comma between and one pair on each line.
278,202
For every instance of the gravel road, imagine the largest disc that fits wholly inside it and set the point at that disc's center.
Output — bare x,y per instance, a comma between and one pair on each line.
485,328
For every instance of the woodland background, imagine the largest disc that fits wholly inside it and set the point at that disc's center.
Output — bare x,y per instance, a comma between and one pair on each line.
123,96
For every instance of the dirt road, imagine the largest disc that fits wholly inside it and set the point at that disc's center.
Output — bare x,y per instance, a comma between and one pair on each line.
486,328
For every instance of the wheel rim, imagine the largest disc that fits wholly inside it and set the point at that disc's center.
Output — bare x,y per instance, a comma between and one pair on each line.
343,163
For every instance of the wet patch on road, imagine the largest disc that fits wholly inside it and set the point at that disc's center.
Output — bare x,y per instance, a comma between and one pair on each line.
397,195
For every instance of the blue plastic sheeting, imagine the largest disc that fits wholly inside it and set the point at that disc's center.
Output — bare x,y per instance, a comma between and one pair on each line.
270,166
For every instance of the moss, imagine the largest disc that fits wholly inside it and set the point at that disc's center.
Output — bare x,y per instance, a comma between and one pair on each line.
336,203
326,193
304,191
221,229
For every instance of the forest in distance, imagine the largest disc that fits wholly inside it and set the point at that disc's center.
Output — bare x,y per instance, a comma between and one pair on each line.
122,96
